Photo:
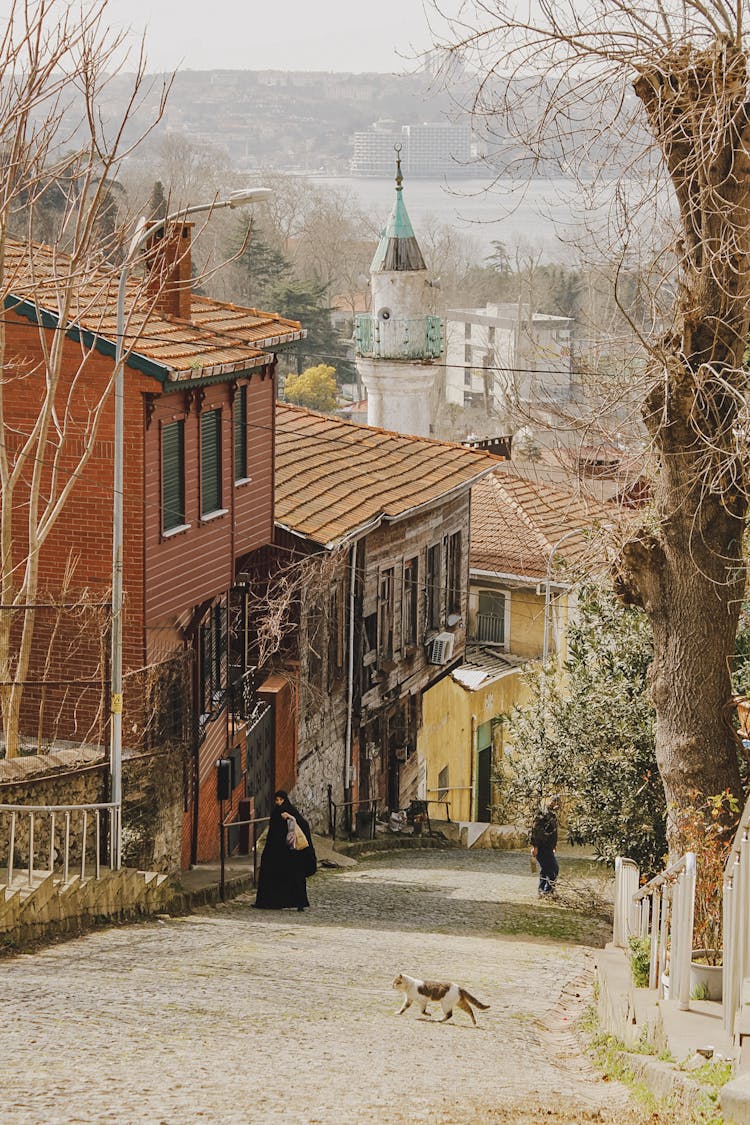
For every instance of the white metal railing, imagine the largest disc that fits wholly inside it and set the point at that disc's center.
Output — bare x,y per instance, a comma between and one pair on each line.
667,906
490,628
736,921
76,828
627,912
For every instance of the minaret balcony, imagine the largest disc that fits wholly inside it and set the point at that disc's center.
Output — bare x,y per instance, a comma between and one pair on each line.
398,337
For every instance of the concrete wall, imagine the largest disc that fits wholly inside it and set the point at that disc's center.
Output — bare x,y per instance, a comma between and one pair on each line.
450,716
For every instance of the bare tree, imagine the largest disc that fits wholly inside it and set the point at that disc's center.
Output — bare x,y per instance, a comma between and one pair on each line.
55,63
654,100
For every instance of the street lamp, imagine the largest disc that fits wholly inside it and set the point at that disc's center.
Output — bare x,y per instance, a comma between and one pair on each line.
142,233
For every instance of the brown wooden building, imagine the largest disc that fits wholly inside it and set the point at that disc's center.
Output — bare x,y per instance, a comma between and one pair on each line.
385,617
199,441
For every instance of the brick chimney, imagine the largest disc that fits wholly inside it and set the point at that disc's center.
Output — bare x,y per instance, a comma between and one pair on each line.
169,269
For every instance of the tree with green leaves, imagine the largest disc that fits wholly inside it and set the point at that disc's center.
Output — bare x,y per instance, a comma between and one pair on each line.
306,301
260,268
656,99
589,734
314,388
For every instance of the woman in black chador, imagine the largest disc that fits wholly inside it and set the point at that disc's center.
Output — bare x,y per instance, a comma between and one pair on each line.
284,869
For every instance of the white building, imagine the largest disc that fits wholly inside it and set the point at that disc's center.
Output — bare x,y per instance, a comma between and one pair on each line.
502,357
400,342
428,149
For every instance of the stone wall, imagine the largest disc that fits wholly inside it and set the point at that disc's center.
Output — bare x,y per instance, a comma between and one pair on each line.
153,788
66,777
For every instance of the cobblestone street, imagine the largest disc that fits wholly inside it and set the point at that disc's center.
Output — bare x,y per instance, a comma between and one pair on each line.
236,1015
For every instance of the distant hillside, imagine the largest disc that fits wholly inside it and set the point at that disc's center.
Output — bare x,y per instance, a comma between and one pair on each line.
288,120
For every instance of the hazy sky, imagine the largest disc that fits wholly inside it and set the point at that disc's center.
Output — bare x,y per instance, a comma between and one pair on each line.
351,35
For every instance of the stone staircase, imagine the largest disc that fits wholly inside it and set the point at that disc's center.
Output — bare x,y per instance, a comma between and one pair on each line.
49,906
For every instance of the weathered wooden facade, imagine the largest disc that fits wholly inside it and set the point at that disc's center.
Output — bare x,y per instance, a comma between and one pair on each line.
384,616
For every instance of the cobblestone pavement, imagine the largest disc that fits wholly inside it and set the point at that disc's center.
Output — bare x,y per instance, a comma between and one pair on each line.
233,1015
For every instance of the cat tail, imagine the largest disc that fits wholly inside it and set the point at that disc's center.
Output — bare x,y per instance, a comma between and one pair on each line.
473,1000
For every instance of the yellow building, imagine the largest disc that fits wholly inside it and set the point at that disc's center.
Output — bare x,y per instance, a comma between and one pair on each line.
528,540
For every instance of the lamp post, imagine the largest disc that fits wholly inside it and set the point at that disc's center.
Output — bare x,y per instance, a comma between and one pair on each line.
141,236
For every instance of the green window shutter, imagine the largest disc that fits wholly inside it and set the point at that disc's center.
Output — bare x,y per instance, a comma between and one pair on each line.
210,461
240,433
173,475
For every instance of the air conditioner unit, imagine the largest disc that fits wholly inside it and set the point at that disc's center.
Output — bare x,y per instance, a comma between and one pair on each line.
441,648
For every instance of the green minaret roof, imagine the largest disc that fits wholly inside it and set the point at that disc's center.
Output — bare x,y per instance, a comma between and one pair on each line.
398,249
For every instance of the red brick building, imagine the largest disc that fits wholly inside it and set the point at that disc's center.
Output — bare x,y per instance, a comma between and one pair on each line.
198,464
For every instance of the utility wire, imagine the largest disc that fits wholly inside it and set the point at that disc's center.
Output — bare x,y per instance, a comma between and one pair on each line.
236,342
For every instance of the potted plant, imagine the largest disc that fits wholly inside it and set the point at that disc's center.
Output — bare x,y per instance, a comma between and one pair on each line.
707,829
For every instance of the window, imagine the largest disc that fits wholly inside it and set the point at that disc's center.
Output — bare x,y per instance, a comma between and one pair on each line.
240,434
467,353
210,462
410,601
212,640
432,588
491,606
385,614
173,475
453,574
491,336
467,330
336,624
443,788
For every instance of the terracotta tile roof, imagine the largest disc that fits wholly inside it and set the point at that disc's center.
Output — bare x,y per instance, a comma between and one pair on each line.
517,523
334,478
219,338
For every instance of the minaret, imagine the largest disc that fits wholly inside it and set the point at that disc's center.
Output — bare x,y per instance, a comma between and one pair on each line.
399,342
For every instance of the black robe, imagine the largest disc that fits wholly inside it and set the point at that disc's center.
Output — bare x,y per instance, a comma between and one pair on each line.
283,870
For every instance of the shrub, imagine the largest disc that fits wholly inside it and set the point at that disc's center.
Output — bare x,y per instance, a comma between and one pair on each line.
640,960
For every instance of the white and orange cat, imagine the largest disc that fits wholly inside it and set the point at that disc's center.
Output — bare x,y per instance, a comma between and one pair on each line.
421,992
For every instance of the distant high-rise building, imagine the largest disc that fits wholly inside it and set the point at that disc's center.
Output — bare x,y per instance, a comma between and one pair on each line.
429,149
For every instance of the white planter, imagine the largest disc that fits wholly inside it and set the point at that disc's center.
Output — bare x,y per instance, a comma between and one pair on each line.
708,975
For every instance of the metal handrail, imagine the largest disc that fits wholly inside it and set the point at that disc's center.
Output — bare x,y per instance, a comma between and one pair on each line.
667,906
447,804
370,804
51,812
239,824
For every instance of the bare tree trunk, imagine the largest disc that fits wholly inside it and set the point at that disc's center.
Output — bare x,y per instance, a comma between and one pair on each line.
683,559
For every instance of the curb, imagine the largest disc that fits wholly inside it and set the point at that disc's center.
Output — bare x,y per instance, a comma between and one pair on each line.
362,848
666,1083
735,1100
183,901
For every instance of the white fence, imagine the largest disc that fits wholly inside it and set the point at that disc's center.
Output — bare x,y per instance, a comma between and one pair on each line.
661,911
736,918
627,913
41,838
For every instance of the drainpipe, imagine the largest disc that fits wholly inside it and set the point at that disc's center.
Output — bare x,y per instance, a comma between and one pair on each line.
472,770
350,675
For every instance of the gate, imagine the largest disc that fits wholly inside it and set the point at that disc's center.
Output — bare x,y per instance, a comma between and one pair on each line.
259,774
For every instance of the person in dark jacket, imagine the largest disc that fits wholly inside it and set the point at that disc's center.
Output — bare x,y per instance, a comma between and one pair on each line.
284,869
543,844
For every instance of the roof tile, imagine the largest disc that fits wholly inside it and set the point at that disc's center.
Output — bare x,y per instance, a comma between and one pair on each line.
334,477
218,335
